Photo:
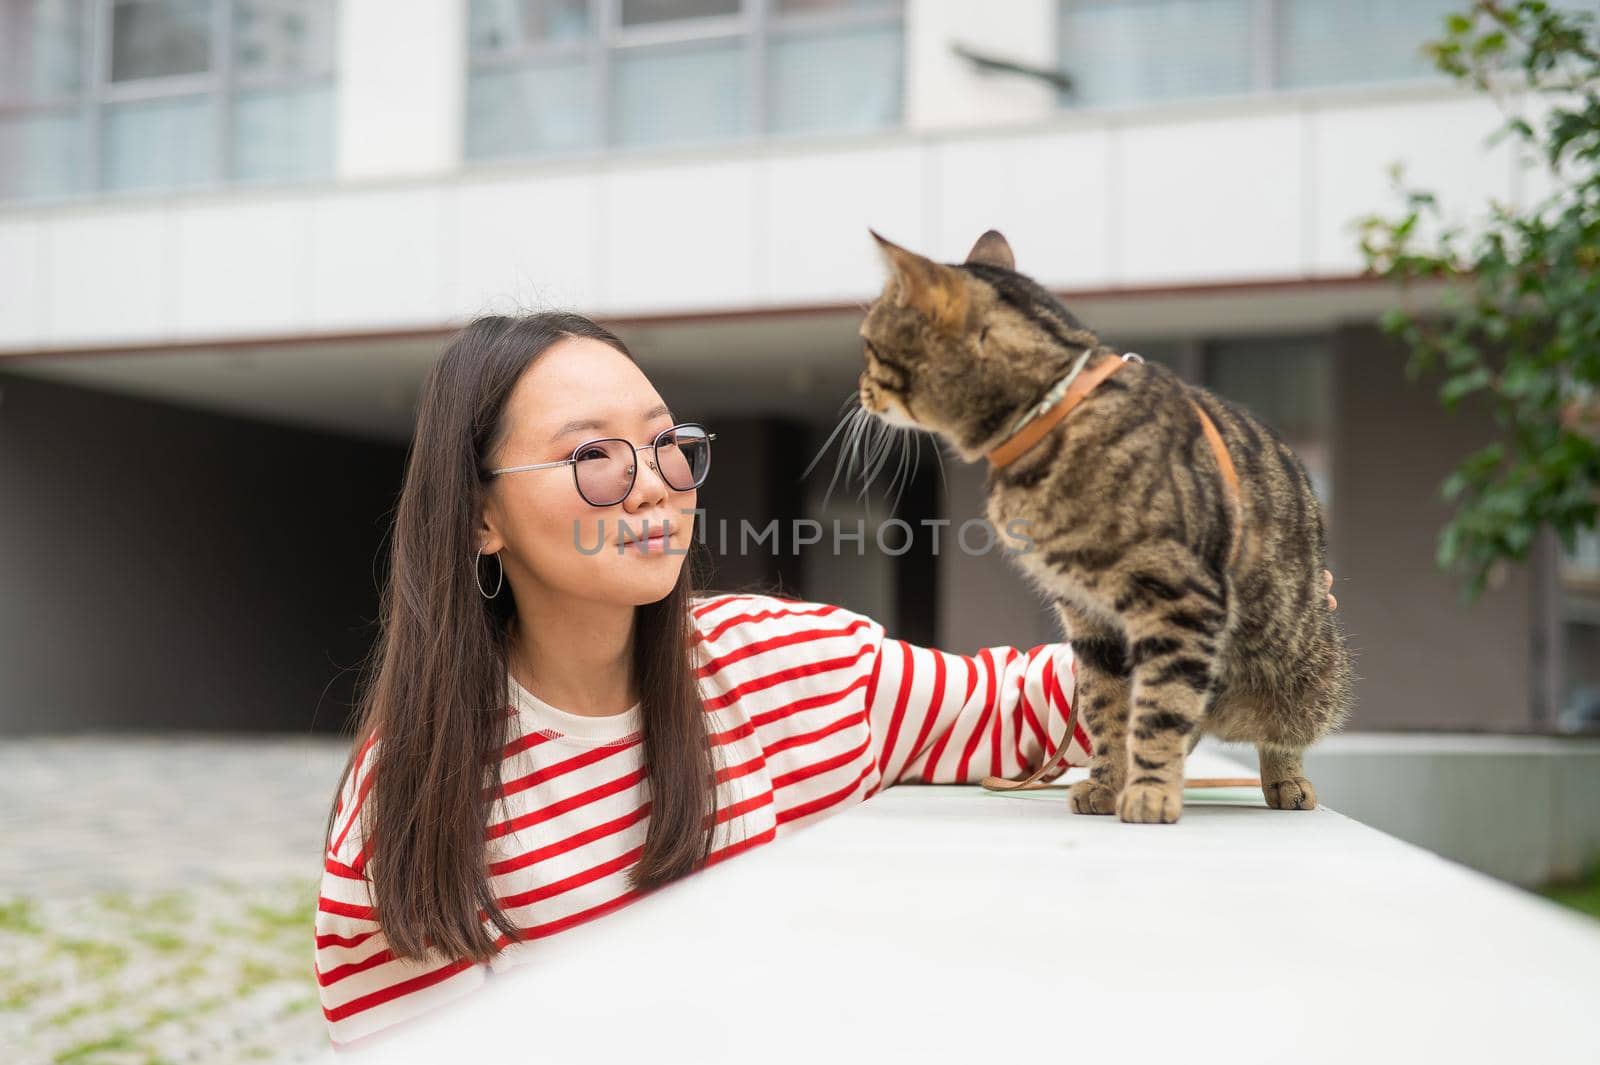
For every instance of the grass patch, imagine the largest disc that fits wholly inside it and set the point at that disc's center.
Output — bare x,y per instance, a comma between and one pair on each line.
93,957
18,916
72,969
1582,894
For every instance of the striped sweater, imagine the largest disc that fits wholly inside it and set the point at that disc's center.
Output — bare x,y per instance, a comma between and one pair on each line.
813,708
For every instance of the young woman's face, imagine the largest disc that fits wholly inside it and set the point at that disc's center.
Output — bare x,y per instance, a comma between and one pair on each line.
545,531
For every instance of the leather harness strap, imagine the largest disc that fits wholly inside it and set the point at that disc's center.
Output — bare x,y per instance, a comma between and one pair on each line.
1230,478
1030,435
1035,430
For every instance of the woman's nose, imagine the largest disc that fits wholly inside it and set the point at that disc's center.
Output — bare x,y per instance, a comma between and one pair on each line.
651,486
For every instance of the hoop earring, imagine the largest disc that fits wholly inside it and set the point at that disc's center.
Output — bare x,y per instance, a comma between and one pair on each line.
478,579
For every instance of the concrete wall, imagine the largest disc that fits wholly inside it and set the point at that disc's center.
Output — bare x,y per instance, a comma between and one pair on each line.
166,568
983,599
753,469
1522,808
1424,660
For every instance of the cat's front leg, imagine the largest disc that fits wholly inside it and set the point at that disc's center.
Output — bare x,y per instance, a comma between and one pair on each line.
1101,696
1173,637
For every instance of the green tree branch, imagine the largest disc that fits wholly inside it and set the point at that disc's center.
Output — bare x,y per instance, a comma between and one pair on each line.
1521,321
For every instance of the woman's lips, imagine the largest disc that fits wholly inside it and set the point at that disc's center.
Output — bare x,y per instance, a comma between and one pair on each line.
652,543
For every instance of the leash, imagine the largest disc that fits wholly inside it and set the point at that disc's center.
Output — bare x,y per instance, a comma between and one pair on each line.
1027,431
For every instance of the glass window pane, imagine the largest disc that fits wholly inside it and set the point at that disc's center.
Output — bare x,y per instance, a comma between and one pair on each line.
506,25
680,95
159,38
1288,384
1359,40
836,82
283,134
43,154
283,36
798,7
1579,604
158,143
549,107
639,12
1127,52
41,49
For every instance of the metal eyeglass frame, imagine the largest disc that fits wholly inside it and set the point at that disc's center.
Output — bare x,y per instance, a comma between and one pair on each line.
633,467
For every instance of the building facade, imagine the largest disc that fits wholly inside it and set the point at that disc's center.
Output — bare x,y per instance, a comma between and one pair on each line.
234,233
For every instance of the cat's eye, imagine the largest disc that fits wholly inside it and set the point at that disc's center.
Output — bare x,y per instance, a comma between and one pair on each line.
983,334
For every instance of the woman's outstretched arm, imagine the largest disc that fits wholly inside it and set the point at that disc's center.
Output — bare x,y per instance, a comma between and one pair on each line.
938,717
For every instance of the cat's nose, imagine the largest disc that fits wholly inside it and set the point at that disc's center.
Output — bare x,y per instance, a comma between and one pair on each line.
869,394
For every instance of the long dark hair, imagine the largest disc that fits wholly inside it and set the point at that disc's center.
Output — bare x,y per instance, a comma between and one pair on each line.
433,688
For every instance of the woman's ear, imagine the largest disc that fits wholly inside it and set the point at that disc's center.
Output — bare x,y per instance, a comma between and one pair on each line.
486,532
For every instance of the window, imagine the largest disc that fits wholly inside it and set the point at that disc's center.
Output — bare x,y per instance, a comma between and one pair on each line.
111,95
1287,383
1358,40
1578,606
550,77
1137,51
1120,52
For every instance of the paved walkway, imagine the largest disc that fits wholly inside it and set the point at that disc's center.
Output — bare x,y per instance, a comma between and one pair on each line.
156,897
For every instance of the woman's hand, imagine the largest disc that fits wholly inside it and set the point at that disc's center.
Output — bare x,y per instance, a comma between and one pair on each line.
1327,586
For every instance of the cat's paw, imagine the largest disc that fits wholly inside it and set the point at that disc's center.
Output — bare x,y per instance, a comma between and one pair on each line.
1092,797
1150,804
1295,793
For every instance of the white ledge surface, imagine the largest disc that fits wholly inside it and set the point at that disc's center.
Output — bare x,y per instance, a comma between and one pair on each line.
942,923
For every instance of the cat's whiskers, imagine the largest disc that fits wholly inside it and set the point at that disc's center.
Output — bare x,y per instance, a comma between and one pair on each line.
844,419
877,453
866,447
848,450
902,468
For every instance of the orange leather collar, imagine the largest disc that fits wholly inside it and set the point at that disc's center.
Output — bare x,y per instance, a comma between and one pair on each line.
1035,430
1015,446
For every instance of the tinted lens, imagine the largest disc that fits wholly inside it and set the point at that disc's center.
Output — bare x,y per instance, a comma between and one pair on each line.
603,470
684,455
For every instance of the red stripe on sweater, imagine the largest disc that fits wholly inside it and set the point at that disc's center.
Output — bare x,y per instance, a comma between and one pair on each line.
577,839
761,615
805,669
928,770
324,941
811,702
544,774
576,880
807,772
573,802
800,739
361,794
825,801
393,991
989,706
778,642
902,696
718,600
929,716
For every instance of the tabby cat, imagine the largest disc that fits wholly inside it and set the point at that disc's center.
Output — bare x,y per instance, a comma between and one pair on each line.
1192,596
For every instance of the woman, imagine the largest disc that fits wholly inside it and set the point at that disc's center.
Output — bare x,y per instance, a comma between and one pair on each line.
550,700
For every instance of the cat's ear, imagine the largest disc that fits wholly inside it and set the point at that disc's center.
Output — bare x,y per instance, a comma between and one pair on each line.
993,250
936,291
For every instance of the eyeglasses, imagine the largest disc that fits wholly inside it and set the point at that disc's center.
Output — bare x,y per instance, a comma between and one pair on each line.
604,470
